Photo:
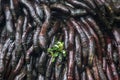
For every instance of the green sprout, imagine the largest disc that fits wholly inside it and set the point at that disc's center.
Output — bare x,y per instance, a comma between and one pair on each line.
57,50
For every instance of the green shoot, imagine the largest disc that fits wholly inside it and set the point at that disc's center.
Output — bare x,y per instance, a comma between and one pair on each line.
57,50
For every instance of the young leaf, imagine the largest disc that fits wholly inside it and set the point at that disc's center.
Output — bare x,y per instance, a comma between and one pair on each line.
53,59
